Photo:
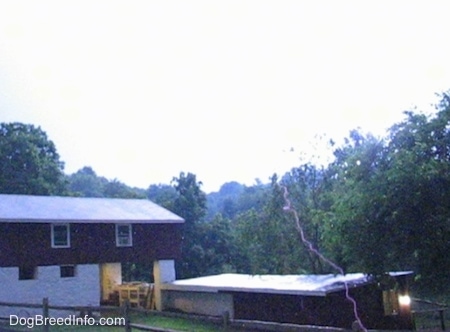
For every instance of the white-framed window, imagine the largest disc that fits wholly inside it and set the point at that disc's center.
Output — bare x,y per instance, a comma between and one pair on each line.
60,236
124,236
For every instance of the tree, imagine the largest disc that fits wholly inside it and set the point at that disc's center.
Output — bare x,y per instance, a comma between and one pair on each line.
162,194
30,163
86,183
224,201
190,204
219,250
308,191
191,200
391,198
279,239
266,237
419,177
360,215
117,189
250,257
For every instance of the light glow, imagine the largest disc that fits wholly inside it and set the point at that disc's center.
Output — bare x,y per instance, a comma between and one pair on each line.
404,300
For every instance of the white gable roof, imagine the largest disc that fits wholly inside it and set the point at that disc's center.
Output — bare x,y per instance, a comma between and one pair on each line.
25,208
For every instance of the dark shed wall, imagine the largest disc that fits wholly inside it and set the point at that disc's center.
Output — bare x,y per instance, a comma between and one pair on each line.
30,244
331,310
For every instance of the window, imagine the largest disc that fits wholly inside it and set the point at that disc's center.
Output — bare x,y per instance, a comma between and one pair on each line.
67,271
27,272
123,235
60,236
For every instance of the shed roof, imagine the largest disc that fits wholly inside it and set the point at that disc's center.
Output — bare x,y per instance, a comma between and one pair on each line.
42,209
307,284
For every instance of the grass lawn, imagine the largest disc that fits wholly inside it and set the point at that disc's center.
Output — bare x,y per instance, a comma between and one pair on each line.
431,320
174,323
177,323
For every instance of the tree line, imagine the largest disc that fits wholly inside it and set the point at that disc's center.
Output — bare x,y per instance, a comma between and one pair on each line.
382,204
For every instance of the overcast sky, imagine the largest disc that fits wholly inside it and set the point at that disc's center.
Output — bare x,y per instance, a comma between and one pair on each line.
141,90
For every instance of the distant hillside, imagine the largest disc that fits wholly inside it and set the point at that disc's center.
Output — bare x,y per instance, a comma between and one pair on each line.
234,198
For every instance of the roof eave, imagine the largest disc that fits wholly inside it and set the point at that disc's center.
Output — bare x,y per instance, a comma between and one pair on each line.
89,221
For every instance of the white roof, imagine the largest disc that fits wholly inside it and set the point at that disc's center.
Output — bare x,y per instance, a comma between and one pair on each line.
26,208
309,285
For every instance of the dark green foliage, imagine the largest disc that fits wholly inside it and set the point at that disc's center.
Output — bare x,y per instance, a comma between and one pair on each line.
117,189
218,249
308,191
359,220
137,272
419,179
190,204
234,198
86,183
224,201
250,257
392,199
267,238
29,161
162,194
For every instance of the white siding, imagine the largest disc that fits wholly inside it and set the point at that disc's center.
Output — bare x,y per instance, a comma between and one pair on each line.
81,290
163,272
202,303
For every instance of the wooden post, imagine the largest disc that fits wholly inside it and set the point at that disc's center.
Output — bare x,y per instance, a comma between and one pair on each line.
441,316
45,313
226,320
413,317
127,316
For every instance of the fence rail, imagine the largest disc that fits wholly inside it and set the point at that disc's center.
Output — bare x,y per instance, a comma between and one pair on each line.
129,326
224,321
427,316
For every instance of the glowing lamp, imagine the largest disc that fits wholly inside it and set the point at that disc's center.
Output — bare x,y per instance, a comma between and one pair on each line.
404,300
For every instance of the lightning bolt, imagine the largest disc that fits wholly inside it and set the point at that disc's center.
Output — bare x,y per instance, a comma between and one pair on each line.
288,208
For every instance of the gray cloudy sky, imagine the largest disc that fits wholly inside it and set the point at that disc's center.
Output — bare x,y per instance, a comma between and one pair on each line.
141,90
